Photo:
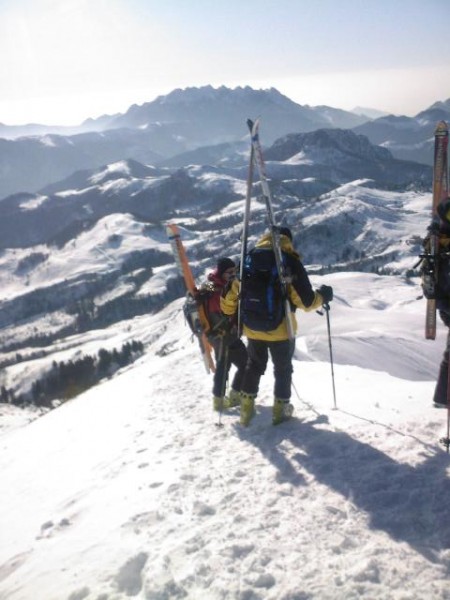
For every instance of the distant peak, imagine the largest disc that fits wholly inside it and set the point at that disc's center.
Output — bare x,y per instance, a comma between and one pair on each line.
194,94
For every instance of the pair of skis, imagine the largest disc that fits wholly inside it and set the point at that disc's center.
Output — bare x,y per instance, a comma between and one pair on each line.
256,158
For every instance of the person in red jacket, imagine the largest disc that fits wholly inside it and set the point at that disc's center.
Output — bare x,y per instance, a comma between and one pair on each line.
223,336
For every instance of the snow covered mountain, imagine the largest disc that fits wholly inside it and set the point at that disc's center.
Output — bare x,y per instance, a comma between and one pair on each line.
303,165
340,155
30,163
408,138
187,124
98,254
218,114
370,113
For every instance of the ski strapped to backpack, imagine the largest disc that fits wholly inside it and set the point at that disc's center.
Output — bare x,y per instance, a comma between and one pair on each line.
440,193
244,240
274,230
193,310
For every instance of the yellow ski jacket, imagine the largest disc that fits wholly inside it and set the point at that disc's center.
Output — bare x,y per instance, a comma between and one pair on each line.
300,293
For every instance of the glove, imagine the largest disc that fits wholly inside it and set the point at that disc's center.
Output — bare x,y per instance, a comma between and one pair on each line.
326,291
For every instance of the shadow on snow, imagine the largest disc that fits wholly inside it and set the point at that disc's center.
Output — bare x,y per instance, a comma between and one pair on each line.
411,504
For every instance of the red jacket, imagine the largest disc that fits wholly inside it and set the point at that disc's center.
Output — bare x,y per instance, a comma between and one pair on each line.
213,299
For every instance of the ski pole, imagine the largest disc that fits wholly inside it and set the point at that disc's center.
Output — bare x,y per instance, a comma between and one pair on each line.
326,307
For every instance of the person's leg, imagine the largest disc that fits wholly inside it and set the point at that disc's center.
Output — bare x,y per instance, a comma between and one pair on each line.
281,353
258,355
441,390
238,357
220,374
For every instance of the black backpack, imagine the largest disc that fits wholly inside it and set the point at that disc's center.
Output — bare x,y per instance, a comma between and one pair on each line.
437,290
261,299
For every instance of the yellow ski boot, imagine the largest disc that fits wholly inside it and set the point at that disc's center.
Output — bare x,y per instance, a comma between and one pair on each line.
233,399
282,411
247,408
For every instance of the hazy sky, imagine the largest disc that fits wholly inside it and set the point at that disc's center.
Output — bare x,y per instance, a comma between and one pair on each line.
65,60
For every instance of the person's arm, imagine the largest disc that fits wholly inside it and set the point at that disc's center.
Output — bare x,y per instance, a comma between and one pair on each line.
229,302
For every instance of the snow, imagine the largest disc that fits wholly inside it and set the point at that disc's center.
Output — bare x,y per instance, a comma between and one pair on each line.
33,203
299,159
47,140
132,490
118,168
98,250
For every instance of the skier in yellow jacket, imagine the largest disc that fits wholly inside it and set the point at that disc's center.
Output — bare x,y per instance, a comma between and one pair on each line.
272,335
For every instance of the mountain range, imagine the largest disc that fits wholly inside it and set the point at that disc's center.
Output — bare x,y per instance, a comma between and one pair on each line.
91,250
409,138
193,126
133,487
87,247
301,166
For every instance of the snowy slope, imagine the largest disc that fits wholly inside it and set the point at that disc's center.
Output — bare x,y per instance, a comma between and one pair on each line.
131,490
99,250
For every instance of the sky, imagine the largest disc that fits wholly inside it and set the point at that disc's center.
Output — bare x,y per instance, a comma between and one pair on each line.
66,60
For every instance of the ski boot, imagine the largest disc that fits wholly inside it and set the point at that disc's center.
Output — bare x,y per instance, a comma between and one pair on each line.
282,411
247,408
218,403
440,404
233,399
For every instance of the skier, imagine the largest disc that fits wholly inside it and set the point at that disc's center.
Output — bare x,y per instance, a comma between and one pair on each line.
441,293
228,347
276,341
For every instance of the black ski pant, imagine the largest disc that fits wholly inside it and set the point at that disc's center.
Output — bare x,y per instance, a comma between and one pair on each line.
258,355
441,389
227,355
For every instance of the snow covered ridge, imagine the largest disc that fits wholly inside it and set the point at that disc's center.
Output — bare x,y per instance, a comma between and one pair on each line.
131,491
329,157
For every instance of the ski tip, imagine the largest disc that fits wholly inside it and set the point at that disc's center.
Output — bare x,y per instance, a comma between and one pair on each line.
253,126
172,230
441,128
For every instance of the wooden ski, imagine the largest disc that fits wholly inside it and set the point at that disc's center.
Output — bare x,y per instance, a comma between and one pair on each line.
194,312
